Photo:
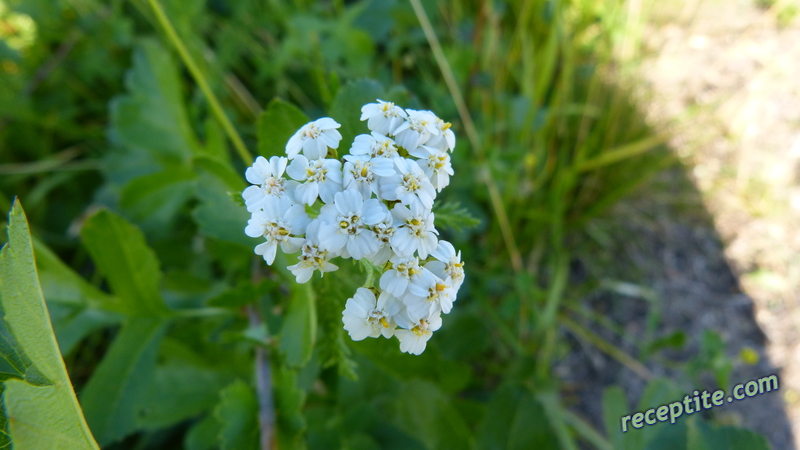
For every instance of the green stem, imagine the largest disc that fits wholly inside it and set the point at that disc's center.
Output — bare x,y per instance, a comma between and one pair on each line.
201,81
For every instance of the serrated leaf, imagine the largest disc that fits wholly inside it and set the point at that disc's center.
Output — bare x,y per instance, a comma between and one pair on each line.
121,254
125,374
276,125
300,326
39,416
453,216
151,117
237,414
346,109
218,216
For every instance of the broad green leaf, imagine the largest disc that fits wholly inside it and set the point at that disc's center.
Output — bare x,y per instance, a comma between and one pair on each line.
237,414
300,325
120,252
346,109
45,416
276,125
122,379
152,118
514,418
703,436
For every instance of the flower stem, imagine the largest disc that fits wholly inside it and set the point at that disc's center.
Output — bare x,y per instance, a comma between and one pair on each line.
201,81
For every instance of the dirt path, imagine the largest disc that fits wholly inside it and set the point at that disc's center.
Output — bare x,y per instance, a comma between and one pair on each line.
725,75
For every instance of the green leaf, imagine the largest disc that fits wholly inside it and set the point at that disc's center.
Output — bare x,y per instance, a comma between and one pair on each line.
185,385
346,108
152,117
513,418
203,435
46,416
614,408
222,170
242,295
120,252
703,436
300,326
237,414
279,122
5,437
123,377
77,308
434,420
153,200
218,216
289,399
453,216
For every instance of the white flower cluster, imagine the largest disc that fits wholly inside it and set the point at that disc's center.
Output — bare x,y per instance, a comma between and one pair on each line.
373,205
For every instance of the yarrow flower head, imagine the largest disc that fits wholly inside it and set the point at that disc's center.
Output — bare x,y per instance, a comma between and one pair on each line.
373,205
314,138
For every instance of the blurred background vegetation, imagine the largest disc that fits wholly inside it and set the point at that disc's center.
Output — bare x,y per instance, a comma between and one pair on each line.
98,110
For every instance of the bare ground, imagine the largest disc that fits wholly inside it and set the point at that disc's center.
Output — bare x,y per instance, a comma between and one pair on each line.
718,240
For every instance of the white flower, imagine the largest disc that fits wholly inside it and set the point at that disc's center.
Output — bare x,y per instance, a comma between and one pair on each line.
362,174
314,138
364,316
312,257
446,139
416,130
384,230
435,164
448,265
410,185
376,147
318,177
429,294
269,181
404,271
414,334
343,224
383,117
277,222
414,231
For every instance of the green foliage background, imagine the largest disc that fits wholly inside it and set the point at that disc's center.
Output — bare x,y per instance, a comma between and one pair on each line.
131,187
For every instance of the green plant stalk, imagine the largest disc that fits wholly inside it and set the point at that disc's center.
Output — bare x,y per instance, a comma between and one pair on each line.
472,135
201,81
